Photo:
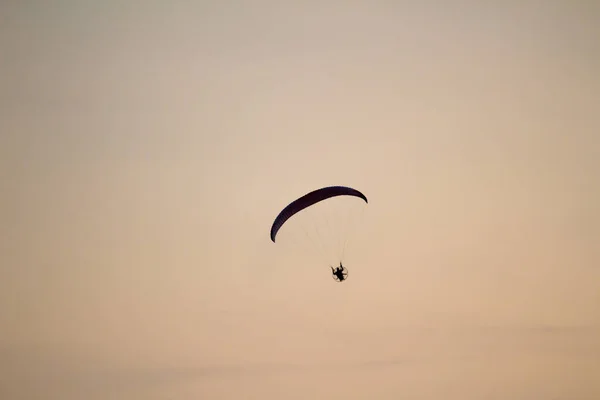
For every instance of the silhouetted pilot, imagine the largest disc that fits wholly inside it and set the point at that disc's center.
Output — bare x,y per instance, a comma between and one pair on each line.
339,272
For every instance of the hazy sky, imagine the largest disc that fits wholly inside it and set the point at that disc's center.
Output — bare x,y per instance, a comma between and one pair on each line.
146,148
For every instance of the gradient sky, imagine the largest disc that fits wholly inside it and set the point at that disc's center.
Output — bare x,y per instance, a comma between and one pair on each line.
145,148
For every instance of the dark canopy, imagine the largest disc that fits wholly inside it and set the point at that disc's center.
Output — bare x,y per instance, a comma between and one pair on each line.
308,200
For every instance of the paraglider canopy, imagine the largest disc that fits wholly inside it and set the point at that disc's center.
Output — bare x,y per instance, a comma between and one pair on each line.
308,200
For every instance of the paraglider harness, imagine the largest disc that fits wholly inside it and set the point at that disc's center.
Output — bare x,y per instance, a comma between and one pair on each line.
340,273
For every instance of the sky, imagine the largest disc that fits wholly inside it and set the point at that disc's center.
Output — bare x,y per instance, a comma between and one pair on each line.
146,147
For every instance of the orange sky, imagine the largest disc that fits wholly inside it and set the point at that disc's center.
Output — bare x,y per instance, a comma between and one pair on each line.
146,148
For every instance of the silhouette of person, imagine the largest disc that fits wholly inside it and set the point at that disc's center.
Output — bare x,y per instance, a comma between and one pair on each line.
339,272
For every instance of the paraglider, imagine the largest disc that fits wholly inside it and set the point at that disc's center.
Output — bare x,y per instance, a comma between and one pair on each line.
312,200
340,273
